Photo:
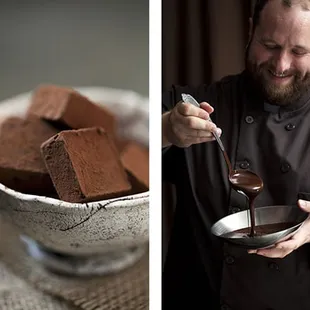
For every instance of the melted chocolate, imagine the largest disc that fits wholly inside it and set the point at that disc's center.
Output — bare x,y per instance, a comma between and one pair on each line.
260,230
251,185
247,182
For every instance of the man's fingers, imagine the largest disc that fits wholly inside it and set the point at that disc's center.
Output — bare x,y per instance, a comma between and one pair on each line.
196,123
200,140
289,245
274,252
279,250
192,134
207,107
252,251
192,127
188,109
190,124
304,205
201,135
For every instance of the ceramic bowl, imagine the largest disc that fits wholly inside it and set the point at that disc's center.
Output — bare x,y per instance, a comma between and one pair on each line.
84,238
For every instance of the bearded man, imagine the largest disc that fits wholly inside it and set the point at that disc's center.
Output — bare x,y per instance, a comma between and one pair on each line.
263,117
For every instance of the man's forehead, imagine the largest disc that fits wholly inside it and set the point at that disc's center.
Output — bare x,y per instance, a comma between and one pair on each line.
276,15
302,5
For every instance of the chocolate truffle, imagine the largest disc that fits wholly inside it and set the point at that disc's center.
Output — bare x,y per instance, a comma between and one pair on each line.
67,106
21,165
121,143
135,159
84,165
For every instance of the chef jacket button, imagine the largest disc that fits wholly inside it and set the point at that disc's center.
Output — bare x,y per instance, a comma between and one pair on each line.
290,127
229,259
235,209
225,307
244,165
249,119
273,266
285,167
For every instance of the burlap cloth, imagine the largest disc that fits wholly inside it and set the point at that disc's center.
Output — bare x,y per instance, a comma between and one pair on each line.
25,285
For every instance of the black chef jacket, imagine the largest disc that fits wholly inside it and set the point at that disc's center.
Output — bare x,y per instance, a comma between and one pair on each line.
274,142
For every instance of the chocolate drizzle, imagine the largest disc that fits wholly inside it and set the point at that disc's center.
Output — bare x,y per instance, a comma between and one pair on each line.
248,183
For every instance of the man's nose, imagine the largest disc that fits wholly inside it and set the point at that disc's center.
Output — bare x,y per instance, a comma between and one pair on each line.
282,62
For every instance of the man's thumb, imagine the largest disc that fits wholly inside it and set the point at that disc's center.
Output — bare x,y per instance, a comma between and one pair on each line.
304,205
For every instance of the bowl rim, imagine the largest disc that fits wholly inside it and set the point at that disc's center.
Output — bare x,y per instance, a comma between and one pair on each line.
86,205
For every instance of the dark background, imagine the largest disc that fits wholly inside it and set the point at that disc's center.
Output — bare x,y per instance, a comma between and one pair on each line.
75,43
202,41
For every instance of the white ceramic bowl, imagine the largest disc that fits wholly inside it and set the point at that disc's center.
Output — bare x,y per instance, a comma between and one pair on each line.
96,237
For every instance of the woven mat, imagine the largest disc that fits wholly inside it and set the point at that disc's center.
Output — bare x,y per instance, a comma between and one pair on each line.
26,285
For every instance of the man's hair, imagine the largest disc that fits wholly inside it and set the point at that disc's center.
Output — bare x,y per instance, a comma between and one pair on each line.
260,4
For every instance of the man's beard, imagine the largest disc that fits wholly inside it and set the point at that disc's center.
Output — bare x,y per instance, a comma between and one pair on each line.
278,94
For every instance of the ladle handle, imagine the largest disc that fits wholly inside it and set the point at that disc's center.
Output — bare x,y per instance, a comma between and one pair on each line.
190,99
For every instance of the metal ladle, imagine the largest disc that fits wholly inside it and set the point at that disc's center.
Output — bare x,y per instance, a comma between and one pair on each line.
244,182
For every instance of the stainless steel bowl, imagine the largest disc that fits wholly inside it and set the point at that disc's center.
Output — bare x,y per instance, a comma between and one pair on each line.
225,227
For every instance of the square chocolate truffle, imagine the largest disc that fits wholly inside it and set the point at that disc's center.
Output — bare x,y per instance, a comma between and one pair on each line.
21,164
84,165
135,159
66,106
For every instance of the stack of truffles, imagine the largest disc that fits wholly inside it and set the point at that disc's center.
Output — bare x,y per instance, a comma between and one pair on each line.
67,147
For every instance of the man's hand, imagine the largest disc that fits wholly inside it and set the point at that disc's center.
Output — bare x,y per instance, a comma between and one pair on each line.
187,124
284,248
